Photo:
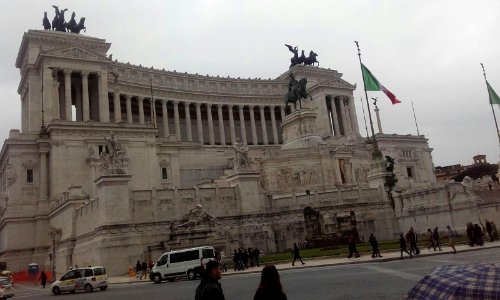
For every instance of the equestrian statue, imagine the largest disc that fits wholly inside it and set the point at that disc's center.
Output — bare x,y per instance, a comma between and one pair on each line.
296,93
302,59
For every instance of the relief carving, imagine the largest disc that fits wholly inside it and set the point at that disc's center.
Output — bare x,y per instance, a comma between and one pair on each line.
11,175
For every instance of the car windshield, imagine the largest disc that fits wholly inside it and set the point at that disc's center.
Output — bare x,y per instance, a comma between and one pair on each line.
4,281
208,253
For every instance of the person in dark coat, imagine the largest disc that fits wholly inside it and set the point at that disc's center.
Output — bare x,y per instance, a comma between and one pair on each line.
411,237
470,234
210,288
138,270
435,236
296,254
374,243
270,287
43,279
352,247
478,235
144,267
489,230
402,246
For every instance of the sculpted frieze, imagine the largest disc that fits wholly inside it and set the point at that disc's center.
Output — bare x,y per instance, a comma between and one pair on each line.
76,53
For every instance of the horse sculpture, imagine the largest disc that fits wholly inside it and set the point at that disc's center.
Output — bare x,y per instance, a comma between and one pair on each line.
311,59
73,27
296,93
302,59
58,23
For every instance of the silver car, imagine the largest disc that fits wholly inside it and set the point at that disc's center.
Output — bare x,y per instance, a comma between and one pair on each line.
6,288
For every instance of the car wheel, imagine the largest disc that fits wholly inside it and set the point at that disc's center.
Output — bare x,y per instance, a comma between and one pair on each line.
56,291
88,288
191,275
156,278
103,288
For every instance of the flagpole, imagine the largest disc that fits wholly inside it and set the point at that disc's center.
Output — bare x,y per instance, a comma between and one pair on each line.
492,110
376,152
364,117
415,117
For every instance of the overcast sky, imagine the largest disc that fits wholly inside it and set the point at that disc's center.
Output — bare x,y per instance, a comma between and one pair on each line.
427,52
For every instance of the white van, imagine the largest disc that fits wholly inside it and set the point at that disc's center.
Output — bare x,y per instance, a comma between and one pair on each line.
179,263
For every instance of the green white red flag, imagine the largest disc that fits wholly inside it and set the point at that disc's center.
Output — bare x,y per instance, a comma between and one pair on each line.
494,99
372,84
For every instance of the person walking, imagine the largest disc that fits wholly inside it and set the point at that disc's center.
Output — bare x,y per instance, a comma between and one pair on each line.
43,279
374,243
430,240
138,269
296,254
489,229
435,236
470,234
478,235
210,287
144,267
451,238
402,246
411,237
270,287
256,254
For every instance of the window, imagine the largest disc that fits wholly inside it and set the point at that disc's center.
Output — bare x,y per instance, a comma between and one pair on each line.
409,172
184,256
208,253
164,174
163,260
29,175
89,273
99,271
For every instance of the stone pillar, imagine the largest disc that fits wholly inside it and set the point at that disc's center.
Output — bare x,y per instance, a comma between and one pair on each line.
85,96
199,123
43,176
346,116
210,124
334,116
118,109
128,104
263,124
67,94
242,125
141,109
342,114
113,193
252,125
222,132
103,96
187,114
164,111
231,124
354,116
282,111
177,122
275,129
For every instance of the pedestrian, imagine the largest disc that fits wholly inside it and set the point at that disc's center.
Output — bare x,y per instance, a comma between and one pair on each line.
489,185
430,240
144,267
241,266
470,234
43,279
151,265
270,287
256,254
435,236
374,243
411,237
352,247
478,235
296,254
402,246
489,230
451,238
138,269
210,287
494,231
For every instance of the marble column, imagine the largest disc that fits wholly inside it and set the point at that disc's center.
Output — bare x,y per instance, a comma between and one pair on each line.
334,116
177,122
252,125
263,124
164,111
103,96
128,104
187,114
242,125
116,104
141,110
222,132
85,96
43,176
282,111
346,116
231,123
199,123
67,95
210,124
354,117
275,128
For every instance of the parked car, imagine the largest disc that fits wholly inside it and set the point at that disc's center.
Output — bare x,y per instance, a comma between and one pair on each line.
180,263
6,288
86,279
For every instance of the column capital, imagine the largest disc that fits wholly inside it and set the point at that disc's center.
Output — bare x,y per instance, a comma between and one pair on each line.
85,73
261,107
241,106
197,104
208,105
220,105
67,71
187,103
176,103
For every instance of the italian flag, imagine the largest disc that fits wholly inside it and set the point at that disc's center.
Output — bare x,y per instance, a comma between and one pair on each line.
494,99
372,84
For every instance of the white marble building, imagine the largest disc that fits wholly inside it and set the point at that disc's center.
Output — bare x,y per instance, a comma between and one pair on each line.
180,150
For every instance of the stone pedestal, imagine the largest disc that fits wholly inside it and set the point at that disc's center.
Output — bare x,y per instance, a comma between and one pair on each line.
113,194
248,188
376,176
300,130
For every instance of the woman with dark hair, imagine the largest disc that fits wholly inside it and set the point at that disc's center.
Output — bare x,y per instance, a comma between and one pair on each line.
270,285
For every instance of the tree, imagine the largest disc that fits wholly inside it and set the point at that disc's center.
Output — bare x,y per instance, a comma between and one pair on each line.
478,171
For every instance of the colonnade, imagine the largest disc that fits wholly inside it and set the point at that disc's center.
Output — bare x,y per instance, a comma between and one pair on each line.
342,115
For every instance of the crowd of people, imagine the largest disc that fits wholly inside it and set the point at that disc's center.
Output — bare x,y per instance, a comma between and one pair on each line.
245,258
142,269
